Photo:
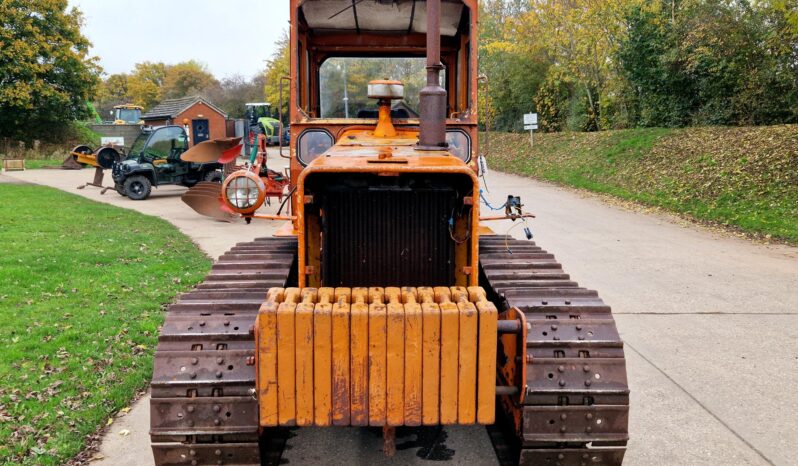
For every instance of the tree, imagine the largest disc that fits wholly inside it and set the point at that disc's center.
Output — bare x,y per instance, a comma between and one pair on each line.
112,91
46,73
235,91
145,84
277,67
187,78
788,9
115,88
513,60
582,37
711,62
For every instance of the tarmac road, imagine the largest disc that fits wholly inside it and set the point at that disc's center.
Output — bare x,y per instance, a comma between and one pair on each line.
710,323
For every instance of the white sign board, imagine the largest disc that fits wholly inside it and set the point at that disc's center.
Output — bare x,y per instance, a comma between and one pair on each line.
530,119
530,127
115,140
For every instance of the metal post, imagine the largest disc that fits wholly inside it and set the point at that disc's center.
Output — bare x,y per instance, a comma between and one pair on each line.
346,95
280,138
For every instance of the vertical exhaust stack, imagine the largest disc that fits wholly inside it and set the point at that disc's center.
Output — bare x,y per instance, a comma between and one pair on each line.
432,100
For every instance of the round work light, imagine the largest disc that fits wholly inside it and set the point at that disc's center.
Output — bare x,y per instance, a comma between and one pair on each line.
244,192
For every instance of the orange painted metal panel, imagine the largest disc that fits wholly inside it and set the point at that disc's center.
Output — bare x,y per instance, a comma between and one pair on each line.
266,336
340,357
304,358
486,366
359,351
386,359
450,339
414,338
322,358
395,358
286,375
467,367
365,159
431,357
377,357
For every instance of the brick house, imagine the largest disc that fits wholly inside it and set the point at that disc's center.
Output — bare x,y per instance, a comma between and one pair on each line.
205,121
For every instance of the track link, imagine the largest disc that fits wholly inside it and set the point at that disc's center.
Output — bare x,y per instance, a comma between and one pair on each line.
576,404
203,408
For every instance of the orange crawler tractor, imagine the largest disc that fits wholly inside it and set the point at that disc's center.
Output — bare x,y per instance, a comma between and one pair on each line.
383,301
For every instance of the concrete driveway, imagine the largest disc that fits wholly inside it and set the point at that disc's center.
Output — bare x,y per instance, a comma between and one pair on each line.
710,323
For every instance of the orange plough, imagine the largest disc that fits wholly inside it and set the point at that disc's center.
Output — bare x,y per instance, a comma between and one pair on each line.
206,198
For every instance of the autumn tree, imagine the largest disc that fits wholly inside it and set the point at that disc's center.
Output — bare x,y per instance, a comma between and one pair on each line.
711,62
46,73
582,37
115,88
234,92
513,60
145,84
187,78
277,67
787,9
112,91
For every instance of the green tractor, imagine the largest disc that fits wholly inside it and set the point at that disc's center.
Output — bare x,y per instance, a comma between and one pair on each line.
261,121
154,160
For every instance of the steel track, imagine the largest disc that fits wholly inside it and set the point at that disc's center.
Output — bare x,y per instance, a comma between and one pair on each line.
576,405
203,408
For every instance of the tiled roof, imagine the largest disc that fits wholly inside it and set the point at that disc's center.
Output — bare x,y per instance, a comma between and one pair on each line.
170,108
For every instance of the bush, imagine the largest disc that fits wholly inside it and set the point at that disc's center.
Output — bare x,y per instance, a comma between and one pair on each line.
52,146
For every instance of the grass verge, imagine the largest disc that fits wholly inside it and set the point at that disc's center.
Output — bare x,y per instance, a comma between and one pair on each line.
51,152
82,290
32,164
742,178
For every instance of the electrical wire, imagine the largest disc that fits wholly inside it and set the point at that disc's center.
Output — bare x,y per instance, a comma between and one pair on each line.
485,201
287,197
451,229
507,236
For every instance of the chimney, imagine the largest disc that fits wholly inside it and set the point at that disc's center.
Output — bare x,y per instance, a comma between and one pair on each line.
432,99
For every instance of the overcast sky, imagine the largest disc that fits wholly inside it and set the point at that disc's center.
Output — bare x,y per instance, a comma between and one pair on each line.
229,36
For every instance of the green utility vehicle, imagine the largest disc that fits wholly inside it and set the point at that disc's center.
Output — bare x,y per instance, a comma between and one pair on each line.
261,121
154,160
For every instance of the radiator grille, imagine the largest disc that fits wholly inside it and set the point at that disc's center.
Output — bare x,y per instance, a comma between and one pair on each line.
395,237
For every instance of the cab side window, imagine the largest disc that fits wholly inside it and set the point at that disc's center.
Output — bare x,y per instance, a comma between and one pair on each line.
166,143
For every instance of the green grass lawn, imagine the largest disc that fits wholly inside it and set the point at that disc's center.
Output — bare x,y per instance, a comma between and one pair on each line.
33,164
82,291
742,178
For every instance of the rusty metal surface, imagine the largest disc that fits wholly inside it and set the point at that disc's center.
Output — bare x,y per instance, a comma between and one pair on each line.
576,456
295,328
203,409
210,151
207,416
576,408
206,199
415,250
206,454
432,98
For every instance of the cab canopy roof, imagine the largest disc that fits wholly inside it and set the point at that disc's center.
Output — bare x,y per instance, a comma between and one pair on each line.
400,16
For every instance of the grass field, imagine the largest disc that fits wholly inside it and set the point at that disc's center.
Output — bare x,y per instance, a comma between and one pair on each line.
742,178
42,163
82,289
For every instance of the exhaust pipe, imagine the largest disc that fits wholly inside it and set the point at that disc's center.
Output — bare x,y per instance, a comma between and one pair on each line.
432,99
